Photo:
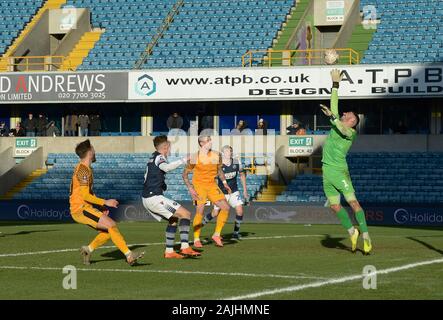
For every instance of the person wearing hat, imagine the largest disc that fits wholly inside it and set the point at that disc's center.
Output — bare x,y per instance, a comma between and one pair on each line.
262,127
295,128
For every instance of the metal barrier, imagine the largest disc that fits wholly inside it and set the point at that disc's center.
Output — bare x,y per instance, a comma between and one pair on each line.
269,58
252,166
32,63
159,33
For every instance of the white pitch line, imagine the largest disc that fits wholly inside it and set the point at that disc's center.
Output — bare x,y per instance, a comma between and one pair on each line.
284,237
69,250
19,254
331,281
230,274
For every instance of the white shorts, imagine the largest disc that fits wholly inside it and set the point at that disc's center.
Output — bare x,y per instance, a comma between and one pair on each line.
160,207
234,200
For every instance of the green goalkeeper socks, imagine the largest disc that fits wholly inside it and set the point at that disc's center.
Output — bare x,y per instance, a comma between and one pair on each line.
343,216
361,219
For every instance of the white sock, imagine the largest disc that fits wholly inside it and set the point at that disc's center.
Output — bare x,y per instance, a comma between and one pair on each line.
169,250
196,239
366,235
216,234
90,249
128,253
351,231
184,245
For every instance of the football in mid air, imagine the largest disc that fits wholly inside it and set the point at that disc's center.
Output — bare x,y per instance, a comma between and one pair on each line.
331,56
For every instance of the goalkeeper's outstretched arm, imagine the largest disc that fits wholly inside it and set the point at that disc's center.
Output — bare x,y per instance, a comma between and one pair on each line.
333,113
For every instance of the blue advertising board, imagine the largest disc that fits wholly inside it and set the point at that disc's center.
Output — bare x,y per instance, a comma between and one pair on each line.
53,210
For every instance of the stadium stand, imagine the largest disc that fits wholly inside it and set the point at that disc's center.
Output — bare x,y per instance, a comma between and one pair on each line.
380,178
218,33
203,34
116,176
129,24
14,15
409,31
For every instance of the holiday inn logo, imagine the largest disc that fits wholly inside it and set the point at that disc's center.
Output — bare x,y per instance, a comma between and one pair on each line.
145,85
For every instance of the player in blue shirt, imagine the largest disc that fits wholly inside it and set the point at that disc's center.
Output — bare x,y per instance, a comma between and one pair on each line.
161,207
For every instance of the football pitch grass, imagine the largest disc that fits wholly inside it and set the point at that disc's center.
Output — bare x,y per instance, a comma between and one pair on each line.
273,261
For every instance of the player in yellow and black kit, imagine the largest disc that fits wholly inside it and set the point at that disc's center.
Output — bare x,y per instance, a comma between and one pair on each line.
206,165
81,202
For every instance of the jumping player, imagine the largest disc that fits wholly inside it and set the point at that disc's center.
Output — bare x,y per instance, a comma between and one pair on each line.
160,206
232,168
336,177
206,165
81,201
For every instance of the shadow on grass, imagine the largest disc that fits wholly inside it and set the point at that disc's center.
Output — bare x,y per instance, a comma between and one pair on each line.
228,239
23,233
335,243
117,255
425,244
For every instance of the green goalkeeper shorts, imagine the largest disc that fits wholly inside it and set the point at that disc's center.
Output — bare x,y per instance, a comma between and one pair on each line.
337,181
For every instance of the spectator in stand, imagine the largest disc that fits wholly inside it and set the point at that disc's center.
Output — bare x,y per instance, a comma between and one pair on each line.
400,128
83,122
207,122
241,125
18,131
95,125
175,121
4,130
71,122
296,128
30,125
42,124
262,127
52,130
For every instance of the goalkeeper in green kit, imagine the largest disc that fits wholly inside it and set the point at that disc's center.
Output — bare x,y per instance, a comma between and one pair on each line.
336,178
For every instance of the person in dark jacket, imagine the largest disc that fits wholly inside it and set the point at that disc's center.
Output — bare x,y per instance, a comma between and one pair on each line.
42,123
4,130
95,124
83,123
175,121
71,122
52,130
30,126
18,131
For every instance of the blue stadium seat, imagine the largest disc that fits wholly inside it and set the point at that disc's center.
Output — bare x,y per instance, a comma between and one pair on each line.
202,24
13,16
416,25
111,170
380,177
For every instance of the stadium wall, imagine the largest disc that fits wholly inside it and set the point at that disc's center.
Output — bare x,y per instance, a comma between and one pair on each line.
37,42
83,24
7,160
21,171
352,19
